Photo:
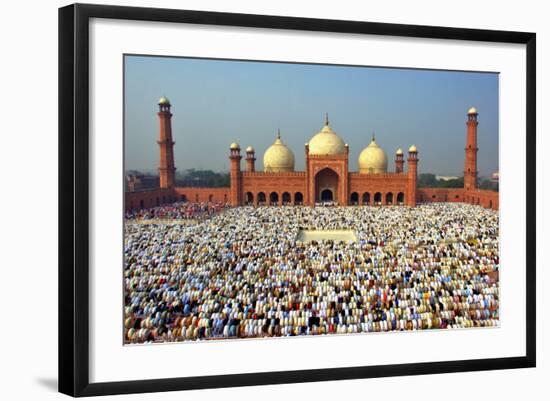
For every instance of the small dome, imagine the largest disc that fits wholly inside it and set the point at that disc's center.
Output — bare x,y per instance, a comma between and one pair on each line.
164,100
399,151
373,159
326,142
412,149
278,157
234,146
472,110
250,149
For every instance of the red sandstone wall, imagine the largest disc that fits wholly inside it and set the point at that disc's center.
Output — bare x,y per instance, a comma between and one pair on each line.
485,198
384,183
156,197
148,198
427,195
190,194
290,183
294,182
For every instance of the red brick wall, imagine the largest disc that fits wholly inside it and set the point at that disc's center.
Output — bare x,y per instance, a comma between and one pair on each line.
255,182
294,182
148,198
384,183
190,194
485,198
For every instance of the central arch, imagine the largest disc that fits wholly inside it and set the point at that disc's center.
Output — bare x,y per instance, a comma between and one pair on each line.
327,195
326,185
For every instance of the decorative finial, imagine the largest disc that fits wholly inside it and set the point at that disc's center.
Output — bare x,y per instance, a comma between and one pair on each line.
278,133
326,118
373,138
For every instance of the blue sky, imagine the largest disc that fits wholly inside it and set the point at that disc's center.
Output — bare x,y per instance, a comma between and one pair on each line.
216,102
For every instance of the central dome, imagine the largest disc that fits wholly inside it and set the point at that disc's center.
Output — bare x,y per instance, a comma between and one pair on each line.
326,142
278,157
373,159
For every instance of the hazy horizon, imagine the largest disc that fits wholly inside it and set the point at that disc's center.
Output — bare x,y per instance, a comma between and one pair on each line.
216,102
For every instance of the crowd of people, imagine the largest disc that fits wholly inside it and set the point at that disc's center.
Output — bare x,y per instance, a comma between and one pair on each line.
177,211
242,273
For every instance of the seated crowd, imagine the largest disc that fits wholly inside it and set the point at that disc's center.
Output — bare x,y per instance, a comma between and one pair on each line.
241,273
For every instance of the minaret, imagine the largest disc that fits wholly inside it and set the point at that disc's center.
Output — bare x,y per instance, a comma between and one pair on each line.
235,174
167,169
411,176
250,159
399,161
470,160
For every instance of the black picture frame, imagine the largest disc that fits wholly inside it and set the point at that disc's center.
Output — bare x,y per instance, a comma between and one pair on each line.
74,200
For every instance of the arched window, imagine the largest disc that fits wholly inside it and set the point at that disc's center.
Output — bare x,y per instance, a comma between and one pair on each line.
183,198
249,198
196,197
400,198
378,198
366,198
354,198
389,198
490,204
210,198
261,198
298,198
225,198
273,198
286,198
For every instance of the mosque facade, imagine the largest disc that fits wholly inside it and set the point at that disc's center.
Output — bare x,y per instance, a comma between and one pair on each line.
326,179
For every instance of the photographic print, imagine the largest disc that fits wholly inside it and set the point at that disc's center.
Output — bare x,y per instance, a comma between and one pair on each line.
272,200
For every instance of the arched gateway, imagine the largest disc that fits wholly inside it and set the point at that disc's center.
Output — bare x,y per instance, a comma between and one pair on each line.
326,186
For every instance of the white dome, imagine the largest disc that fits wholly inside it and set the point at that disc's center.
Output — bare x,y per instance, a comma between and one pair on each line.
326,142
373,159
278,157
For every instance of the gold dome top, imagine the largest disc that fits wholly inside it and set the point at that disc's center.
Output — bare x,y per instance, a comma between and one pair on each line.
278,157
399,151
326,142
250,149
472,110
164,100
234,146
373,159
412,149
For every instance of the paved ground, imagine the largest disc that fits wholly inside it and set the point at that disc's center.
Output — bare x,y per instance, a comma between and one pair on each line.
319,235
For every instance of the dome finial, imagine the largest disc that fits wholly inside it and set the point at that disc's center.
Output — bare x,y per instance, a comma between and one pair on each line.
326,118
278,133
373,138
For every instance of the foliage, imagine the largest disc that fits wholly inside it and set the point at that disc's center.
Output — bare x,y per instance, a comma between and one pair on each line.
202,178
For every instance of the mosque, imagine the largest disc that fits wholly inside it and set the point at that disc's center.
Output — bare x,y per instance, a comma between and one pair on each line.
326,179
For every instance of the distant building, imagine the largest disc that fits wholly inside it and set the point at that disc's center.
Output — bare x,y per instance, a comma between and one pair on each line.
494,177
446,177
